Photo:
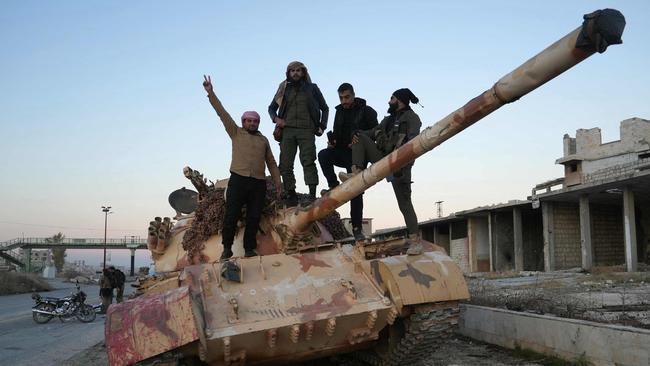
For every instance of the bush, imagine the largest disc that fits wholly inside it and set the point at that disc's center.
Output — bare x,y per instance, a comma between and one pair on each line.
18,283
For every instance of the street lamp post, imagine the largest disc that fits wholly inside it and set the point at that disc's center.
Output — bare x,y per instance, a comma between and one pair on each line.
105,210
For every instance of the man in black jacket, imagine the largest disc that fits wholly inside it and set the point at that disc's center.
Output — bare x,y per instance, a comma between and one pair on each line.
118,283
401,125
300,113
352,116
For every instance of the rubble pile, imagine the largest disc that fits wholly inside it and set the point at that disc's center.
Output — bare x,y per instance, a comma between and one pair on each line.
617,298
532,300
19,283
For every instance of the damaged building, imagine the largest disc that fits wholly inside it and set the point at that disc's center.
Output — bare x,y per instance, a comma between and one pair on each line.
598,214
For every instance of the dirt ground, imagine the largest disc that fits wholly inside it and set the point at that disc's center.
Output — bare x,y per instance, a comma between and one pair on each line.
19,283
93,356
458,351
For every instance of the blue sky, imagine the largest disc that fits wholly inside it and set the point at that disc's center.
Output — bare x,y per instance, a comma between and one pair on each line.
102,102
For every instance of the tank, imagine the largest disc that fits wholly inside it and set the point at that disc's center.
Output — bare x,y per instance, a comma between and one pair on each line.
312,292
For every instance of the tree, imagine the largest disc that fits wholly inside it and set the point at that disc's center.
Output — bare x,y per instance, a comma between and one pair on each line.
58,254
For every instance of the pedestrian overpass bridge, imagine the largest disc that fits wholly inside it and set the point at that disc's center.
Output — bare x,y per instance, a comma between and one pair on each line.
9,249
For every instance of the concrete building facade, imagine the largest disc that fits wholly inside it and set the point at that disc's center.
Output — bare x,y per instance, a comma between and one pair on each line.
598,214
601,214
38,257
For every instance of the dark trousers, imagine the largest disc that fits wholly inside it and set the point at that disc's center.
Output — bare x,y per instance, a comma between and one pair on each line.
119,296
243,191
329,158
366,151
402,189
107,298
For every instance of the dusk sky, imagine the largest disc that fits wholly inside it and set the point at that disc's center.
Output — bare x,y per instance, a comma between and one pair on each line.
102,104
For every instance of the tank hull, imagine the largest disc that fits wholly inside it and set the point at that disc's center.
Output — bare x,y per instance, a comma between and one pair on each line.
287,308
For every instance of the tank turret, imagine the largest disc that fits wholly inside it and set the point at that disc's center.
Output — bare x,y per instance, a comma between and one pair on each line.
310,294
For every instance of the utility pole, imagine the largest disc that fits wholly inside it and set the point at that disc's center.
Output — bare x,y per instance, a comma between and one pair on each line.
439,207
105,210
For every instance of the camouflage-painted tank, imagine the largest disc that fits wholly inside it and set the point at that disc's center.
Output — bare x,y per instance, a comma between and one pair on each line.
307,295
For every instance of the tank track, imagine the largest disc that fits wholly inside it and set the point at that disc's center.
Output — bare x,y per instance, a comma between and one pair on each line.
426,328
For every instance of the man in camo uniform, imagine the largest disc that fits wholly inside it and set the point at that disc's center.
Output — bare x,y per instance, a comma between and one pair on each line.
299,111
401,125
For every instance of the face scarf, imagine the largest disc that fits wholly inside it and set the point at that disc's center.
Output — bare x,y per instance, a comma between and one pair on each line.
279,94
250,115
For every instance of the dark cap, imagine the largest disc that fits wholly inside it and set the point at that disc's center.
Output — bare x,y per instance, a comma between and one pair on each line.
405,95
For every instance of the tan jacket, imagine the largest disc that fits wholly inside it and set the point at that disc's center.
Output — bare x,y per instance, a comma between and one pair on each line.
250,152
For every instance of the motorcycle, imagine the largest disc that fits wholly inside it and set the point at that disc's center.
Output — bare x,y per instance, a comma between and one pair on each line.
65,308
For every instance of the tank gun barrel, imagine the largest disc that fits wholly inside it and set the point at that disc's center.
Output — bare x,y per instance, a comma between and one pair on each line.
600,29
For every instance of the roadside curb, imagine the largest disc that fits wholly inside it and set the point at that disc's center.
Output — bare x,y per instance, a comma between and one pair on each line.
570,339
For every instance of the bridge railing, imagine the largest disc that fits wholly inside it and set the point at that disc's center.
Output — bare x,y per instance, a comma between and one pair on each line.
99,242
12,257
81,241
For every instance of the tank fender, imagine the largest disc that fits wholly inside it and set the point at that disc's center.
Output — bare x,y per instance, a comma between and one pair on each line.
149,325
426,278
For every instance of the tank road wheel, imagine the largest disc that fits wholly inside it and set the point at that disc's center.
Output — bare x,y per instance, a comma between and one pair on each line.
86,313
43,318
412,338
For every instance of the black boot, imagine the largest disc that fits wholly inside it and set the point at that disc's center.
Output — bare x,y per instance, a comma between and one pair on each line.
357,232
292,198
250,253
226,254
312,191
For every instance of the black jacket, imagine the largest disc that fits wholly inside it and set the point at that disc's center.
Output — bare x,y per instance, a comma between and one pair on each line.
363,118
318,109
395,130
118,278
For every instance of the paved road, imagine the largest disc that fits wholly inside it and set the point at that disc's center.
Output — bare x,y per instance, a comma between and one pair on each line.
23,342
